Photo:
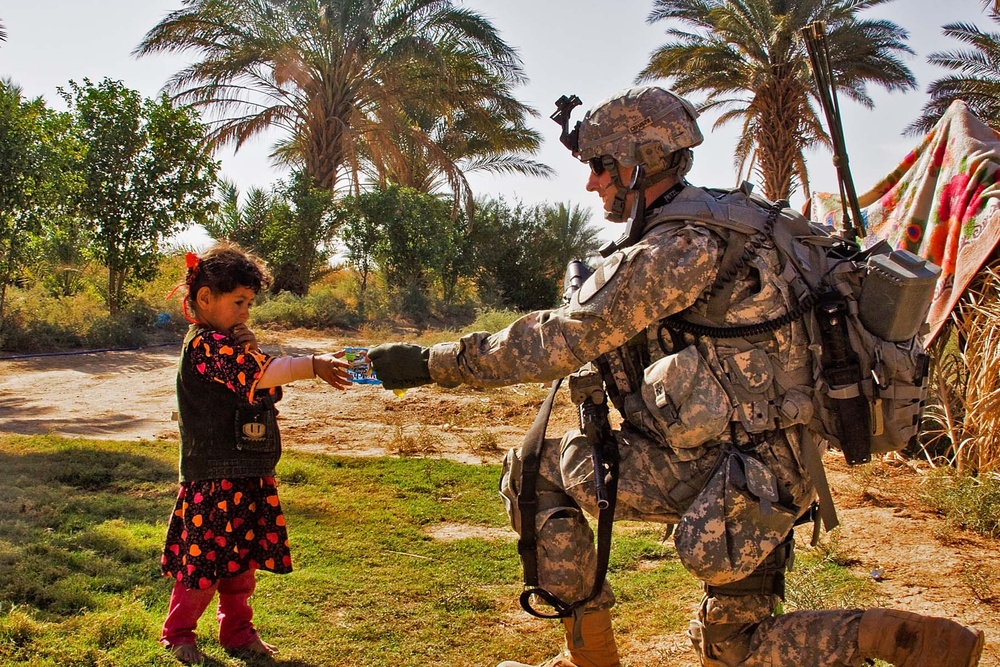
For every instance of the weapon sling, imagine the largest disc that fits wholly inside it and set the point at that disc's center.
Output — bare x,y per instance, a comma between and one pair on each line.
527,503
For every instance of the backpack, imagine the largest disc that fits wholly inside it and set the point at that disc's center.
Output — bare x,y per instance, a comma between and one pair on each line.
863,312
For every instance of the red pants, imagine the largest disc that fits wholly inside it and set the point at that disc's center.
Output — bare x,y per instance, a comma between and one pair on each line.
235,615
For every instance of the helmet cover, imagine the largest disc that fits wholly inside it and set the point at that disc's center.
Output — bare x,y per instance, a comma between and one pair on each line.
627,125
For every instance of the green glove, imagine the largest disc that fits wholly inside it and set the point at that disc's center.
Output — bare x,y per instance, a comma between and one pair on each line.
400,365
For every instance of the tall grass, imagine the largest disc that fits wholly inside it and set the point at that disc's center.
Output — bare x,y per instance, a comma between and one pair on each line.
962,420
970,503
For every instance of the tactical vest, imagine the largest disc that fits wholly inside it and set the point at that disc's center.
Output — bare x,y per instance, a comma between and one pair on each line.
223,435
762,332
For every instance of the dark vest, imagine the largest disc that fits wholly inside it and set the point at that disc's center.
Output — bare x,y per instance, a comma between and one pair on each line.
223,436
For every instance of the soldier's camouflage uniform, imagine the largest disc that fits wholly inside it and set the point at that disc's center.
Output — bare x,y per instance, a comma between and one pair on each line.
751,471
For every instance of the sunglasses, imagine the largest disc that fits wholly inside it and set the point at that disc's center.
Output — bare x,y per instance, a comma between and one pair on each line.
596,165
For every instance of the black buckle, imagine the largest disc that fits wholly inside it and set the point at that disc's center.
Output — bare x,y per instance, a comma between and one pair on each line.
562,610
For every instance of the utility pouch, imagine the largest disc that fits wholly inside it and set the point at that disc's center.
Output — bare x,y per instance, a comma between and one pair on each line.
751,377
898,387
734,522
257,426
687,403
842,372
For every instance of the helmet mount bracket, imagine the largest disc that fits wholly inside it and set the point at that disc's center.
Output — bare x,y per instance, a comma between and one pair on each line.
564,109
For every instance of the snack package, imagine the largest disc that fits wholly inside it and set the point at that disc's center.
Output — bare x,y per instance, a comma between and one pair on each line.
360,371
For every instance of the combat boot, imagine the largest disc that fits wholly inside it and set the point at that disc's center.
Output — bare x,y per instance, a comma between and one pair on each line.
905,639
598,650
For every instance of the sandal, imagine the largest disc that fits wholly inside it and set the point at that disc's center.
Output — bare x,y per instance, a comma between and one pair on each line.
189,654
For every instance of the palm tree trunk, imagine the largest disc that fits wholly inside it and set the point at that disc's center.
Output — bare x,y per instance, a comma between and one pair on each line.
777,135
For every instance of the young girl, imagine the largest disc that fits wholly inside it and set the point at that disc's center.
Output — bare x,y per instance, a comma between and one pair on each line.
227,522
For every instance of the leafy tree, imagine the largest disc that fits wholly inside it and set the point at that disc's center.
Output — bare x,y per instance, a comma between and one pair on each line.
746,55
300,239
410,236
62,249
519,259
977,78
36,148
147,173
292,227
360,235
338,77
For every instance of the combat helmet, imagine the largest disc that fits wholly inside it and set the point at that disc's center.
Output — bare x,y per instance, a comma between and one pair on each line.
645,126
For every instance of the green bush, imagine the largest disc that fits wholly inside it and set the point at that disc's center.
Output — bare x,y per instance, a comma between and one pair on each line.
36,321
972,503
26,336
492,320
320,309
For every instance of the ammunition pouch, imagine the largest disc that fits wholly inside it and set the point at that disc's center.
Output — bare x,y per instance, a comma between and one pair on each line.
684,402
735,523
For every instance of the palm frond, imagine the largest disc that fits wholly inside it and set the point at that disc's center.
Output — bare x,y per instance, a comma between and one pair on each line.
745,58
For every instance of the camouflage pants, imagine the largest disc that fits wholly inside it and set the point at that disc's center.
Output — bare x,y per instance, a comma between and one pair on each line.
657,485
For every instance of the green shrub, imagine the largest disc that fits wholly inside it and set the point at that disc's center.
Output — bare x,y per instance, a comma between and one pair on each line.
27,336
322,308
972,503
492,320
35,321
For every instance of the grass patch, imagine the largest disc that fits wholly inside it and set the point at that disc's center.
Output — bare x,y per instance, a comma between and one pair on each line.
970,503
81,537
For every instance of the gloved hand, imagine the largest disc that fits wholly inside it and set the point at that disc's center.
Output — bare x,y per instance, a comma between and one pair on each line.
400,365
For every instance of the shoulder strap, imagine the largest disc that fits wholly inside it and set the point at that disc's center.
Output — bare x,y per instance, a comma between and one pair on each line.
527,543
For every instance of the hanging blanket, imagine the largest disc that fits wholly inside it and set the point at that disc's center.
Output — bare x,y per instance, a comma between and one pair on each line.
942,202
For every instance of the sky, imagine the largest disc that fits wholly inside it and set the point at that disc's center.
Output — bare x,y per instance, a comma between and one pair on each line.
590,48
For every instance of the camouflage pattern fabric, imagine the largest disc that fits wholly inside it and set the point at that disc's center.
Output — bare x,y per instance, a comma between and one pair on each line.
666,272
620,126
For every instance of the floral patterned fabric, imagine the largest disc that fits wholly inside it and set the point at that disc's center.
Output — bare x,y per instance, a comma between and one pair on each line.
216,356
220,528
942,202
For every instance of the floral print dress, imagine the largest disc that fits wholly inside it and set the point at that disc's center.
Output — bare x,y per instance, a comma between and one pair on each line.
223,527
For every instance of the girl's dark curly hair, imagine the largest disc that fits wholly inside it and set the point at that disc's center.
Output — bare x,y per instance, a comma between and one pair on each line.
223,268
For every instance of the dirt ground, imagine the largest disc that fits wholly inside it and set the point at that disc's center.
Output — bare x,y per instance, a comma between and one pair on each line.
921,564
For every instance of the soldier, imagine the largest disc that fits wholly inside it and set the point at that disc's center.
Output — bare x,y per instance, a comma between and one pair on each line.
714,430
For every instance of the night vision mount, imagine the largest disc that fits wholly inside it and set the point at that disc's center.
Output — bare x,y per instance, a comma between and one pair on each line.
564,109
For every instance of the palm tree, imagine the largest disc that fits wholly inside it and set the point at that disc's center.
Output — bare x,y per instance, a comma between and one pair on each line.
977,81
3,33
747,56
245,224
572,231
487,133
339,77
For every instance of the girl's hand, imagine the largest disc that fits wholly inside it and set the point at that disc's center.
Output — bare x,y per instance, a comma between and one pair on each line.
244,338
332,368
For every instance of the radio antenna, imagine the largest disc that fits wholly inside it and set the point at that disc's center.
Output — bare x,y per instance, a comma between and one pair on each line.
814,36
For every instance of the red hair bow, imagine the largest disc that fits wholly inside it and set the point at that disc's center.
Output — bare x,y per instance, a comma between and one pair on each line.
192,261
